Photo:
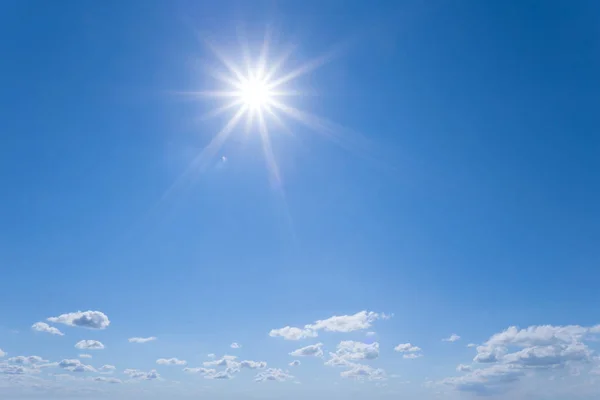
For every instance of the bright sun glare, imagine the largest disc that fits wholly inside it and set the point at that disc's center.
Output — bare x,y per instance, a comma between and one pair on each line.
257,91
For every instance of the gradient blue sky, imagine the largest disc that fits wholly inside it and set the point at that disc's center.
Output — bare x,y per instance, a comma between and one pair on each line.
470,204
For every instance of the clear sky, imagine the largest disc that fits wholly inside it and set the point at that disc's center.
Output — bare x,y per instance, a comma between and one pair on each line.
426,227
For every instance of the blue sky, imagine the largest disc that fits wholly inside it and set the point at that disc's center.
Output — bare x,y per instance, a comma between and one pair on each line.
450,186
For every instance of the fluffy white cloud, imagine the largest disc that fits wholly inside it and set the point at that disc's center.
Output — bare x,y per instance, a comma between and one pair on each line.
337,323
486,381
470,345
7,369
352,350
412,356
225,361
85,356
453,338
44,327
107,380
107,369
2,354
85,319
311,350
406,348
549,356
75,365
199,370
235,345
141,375
141,339
464,368
23,360
292,333
253,364
89,345
273,374
294,363
170,361
218,375
362,372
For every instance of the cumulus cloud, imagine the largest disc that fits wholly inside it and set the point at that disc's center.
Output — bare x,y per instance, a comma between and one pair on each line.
464,368
453,338
273,374
85,319
362,372
224,361
352,350
292,333
515,353
75,365
141,339
107,380
406,348
342,323
85,356
486,381
89,345
253,364
23,360
235,345
44,327
107,369
141,375
199,370
294,363
311,350
170,361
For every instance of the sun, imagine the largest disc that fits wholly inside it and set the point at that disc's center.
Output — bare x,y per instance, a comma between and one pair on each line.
261,91
255,94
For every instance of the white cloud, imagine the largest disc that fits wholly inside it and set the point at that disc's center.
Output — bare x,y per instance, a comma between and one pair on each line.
362,372
199,370
294,363
85,356
218,375
549,356
7,369
471,345
253,364
464,368
342,323
225,361
107,369
89,345
170,361
311,350
75,365
22,360
412,356
44,327
141,375
371,333
211,355
273,374
107,380
406,347
2,354
85,319
487,381
292,333
235,345
352,350
453,338
141,339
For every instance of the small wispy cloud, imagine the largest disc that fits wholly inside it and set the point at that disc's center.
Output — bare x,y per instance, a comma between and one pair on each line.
453,338
141,339
235,345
